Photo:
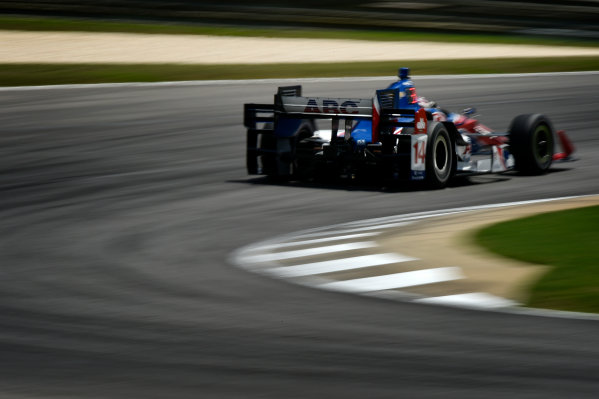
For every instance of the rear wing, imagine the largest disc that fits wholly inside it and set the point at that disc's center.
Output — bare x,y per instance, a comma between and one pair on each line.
324,108
382,110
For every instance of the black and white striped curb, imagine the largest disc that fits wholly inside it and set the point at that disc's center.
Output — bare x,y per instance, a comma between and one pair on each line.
347,258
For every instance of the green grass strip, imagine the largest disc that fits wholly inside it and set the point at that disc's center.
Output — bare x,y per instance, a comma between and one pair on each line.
567,240
51,74
95,25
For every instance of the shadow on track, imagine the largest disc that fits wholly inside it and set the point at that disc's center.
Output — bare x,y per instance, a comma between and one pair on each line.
362,184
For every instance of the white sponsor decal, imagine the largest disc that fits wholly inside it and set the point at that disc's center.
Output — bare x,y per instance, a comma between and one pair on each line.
418,152
328,106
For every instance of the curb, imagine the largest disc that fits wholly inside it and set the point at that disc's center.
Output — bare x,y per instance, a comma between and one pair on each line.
381,258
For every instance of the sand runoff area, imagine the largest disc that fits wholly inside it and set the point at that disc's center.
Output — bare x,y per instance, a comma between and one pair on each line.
452,239
83,47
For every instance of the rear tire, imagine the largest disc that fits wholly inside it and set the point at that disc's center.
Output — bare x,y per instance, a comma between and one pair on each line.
302,164
268,159
439,157
532,142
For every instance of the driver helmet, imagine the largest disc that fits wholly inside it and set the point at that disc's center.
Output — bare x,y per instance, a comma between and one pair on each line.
403,73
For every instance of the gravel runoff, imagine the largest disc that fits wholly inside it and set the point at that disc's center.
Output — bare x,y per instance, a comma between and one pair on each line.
82,47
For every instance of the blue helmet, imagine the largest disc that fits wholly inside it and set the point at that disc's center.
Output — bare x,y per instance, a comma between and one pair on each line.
403,73
407,97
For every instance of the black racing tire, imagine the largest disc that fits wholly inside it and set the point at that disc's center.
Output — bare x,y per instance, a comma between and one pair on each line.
269,159
273,159
439,157
302,164
532,143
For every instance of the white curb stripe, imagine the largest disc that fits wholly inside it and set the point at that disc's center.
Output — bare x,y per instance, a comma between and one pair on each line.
309,252
338,265
397,280
377,286
472,300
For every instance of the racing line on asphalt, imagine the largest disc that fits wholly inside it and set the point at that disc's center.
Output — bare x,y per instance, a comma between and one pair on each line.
337,258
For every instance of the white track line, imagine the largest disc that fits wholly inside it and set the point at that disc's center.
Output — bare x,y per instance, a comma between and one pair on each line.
471,300
309,252
193,83
338,265
412,217
397,280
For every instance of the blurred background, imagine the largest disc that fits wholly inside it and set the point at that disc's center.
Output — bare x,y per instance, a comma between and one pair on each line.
122,205
577,19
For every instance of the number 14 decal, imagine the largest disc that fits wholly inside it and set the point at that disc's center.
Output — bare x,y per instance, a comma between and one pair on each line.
419,152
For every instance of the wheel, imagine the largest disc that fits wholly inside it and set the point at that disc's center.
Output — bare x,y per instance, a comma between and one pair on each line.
531,143
302,155
268,158
281,162
304,164
439,157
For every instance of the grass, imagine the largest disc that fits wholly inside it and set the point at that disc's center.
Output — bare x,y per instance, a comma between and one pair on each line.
567,241
47,74
94,25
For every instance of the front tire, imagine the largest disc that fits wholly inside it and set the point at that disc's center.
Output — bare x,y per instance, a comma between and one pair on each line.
439,157
532,143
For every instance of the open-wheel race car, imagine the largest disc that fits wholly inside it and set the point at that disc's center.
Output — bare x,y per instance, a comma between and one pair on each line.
395,136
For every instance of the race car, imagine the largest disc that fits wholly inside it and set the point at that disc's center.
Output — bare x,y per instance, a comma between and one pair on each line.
395,136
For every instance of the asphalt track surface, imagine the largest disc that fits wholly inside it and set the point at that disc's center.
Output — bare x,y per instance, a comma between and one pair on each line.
120,207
